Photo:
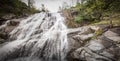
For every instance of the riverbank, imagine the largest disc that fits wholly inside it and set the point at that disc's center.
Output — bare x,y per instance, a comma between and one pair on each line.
14,9
91,43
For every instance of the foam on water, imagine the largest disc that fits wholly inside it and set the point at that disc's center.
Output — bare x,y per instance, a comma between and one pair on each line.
42,36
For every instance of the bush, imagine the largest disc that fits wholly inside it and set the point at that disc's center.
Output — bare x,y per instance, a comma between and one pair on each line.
33,10
15,7
81,18
98,32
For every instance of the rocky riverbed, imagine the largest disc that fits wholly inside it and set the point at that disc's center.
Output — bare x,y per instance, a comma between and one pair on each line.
6,27
90,47
84,42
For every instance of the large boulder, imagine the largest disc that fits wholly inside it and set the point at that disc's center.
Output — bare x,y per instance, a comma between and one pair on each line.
78,37
113,34
84,37
96,51
105,47
6,28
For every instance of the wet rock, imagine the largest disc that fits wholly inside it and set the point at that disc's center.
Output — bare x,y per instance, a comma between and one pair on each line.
8,16
96,51
73,44
6,28
13,23
4,35
2,41
2,21
86,37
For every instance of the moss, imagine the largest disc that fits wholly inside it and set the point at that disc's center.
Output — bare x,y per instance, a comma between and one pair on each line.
99,32
94,37
79,19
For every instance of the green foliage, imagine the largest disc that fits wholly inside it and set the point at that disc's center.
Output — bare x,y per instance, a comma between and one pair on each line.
94,37
79,19
115,6
33,10
94,9
15,7
98,32
12,6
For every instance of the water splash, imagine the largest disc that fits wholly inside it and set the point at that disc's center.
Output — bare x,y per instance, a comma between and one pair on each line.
41,37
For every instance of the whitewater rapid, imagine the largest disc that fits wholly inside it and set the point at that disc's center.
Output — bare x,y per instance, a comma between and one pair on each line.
40,37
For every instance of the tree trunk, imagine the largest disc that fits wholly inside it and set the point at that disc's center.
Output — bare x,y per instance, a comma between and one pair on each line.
29,3
111,23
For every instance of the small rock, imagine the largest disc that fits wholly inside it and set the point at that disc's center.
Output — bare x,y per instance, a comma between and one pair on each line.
13,23
2,41
86,37
4,35
9,16
94,27
2,21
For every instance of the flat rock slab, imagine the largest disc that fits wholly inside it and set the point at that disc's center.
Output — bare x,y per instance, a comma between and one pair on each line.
113,34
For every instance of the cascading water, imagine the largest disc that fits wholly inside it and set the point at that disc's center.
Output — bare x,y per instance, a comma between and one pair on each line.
41,37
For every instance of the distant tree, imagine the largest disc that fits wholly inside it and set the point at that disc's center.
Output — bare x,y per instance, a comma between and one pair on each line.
72,3
95,9
98,7
43,7
30,3
77,1
60,9
114,7
65,5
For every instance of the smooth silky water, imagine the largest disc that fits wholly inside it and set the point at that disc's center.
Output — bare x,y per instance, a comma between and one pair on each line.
40,37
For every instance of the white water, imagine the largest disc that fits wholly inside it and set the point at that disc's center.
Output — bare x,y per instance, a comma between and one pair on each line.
40,37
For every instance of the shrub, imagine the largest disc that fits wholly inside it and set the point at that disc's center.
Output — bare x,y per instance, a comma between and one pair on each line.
98,32
81,18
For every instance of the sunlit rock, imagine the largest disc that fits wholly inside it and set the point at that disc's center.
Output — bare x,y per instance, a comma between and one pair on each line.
114,36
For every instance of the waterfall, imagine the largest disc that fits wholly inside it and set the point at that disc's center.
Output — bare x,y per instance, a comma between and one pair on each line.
40,37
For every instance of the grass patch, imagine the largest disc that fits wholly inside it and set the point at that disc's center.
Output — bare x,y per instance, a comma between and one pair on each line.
116,22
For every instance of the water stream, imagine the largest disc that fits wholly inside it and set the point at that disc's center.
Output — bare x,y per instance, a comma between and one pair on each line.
40,37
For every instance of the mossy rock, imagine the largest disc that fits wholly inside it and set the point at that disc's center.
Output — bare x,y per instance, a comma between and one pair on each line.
99,32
